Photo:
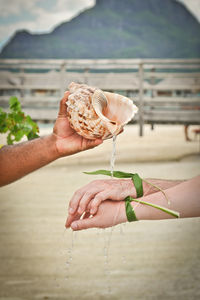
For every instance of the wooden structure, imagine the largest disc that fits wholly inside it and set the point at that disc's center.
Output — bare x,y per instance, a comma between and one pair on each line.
166,90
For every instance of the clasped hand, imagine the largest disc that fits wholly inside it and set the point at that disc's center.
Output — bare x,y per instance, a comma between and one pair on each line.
85,210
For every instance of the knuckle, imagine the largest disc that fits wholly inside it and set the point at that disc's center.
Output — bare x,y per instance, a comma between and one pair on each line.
81,206
72,202
78,193
96,201
87,194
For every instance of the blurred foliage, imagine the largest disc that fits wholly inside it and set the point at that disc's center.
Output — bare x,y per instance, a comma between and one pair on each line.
16,123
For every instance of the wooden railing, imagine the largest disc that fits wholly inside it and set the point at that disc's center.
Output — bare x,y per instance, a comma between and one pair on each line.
166,90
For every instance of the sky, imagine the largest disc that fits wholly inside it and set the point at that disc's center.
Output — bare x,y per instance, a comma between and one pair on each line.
39,16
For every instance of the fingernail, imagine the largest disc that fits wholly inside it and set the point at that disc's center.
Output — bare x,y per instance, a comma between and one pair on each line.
71,210
74,226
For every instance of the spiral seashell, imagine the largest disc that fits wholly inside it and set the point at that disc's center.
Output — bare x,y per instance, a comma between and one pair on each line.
94,113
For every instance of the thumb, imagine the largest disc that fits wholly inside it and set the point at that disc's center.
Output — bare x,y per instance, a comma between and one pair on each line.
84,224
63,107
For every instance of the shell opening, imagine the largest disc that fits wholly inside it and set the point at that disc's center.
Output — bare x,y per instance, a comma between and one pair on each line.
100,104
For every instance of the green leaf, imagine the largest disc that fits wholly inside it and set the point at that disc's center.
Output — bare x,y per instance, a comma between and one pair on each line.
166,210
3,115
117,174
9,139
14,104
3,123
137,181
18,117
16,123
32,135
130,213
33,125
18,135
3,128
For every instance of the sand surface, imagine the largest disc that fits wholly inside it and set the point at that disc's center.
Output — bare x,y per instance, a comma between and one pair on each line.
146,260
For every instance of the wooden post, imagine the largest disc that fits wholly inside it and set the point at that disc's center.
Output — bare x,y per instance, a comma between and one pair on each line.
22,78
141,100
62,78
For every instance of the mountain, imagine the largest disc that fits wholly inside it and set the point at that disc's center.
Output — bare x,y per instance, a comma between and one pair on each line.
116,29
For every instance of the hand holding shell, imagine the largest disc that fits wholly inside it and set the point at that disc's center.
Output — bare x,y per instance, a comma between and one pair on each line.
94,113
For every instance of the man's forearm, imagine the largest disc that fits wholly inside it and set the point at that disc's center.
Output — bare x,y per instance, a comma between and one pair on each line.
152,185
184,198
18,160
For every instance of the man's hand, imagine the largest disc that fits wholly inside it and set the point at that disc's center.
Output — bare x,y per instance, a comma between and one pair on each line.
67,140
98,191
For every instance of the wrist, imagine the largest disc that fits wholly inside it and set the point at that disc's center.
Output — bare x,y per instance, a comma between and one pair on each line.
138,209
131,188
52,146
142,211
123,217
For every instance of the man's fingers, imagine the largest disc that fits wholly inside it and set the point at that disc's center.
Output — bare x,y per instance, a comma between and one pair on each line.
74,202
70,219
87,197
88,144
81,194
83,224
63,108
102,196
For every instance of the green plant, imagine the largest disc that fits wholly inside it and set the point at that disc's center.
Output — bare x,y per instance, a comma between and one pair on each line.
16,123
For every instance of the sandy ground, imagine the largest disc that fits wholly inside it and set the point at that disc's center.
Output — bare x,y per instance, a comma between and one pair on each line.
147,260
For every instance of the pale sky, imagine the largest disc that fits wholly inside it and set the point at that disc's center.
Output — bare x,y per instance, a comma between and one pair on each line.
43,15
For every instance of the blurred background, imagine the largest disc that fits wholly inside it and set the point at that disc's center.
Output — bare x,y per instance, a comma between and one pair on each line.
149,51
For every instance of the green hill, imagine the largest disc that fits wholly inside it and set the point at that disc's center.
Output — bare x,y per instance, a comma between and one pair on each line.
116,29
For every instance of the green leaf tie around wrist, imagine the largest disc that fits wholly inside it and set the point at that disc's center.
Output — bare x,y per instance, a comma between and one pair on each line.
130,213
137,181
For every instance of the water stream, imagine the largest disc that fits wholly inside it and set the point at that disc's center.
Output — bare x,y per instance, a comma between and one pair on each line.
107,239
69,255
106,232
113,155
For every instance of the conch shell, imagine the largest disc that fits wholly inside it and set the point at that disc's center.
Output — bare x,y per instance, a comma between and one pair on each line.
94,113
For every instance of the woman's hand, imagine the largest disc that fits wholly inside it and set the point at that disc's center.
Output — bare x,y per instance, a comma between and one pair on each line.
98,191
110,213
67,141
